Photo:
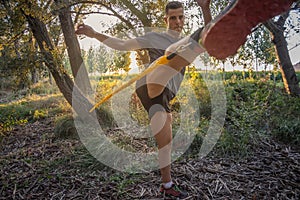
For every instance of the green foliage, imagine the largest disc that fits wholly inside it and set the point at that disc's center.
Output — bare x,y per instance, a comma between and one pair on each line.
40,114
105,86
121,61
98,59
262,47
11,115
258,109
30,109
202,93
123,182
137,111
9,122
135,14
43,88
20,63
285,118
245,111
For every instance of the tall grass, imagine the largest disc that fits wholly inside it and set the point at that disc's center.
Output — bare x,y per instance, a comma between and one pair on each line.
257,108
37,104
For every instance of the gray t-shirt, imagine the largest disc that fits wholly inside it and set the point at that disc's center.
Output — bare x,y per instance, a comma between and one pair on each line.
156,44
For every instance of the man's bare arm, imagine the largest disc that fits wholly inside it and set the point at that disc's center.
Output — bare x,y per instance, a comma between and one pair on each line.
114,43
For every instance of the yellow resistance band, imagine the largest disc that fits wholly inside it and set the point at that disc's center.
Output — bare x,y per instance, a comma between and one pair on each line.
160,61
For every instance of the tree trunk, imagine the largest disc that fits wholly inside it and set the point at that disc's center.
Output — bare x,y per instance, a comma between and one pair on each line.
50,77
34,76
289,76
73,48
64,82
290,79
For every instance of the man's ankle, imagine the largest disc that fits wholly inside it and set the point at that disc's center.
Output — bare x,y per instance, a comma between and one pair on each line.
168,185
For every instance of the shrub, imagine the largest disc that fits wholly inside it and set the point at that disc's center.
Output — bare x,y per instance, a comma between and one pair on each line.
65,128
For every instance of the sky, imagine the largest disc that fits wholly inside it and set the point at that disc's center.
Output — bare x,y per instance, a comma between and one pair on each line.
101,23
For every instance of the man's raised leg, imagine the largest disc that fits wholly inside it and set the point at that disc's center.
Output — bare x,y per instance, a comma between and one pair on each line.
186,50
223,36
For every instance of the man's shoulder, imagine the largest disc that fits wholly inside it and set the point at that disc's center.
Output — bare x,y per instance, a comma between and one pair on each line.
155,34
153,37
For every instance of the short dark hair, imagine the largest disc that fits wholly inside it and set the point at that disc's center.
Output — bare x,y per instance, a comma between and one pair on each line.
173,5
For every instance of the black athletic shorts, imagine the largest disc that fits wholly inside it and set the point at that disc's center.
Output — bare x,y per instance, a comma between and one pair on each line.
153,105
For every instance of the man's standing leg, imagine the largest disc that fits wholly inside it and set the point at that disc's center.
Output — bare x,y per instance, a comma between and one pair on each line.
161,126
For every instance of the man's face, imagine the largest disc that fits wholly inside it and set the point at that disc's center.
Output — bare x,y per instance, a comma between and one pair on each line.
175,19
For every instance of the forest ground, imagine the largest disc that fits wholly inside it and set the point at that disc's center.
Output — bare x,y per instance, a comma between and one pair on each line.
36,164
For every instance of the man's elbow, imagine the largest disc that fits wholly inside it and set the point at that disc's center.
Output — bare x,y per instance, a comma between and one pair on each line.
124,47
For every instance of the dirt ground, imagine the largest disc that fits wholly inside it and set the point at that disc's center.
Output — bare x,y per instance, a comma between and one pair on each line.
36,165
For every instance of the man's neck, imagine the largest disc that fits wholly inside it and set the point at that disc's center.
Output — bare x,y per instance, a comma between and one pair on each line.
173,34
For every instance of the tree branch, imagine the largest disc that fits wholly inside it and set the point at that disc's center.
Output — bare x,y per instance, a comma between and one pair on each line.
92,12
114,13
141,16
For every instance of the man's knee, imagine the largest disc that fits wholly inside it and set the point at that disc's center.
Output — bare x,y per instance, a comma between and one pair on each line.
162,118
161,122
154,90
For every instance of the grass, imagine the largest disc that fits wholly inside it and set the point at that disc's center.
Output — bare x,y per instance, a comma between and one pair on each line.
30,108
256,109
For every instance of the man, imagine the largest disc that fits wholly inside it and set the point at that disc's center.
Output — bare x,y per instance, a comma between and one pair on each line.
160,86
154,93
